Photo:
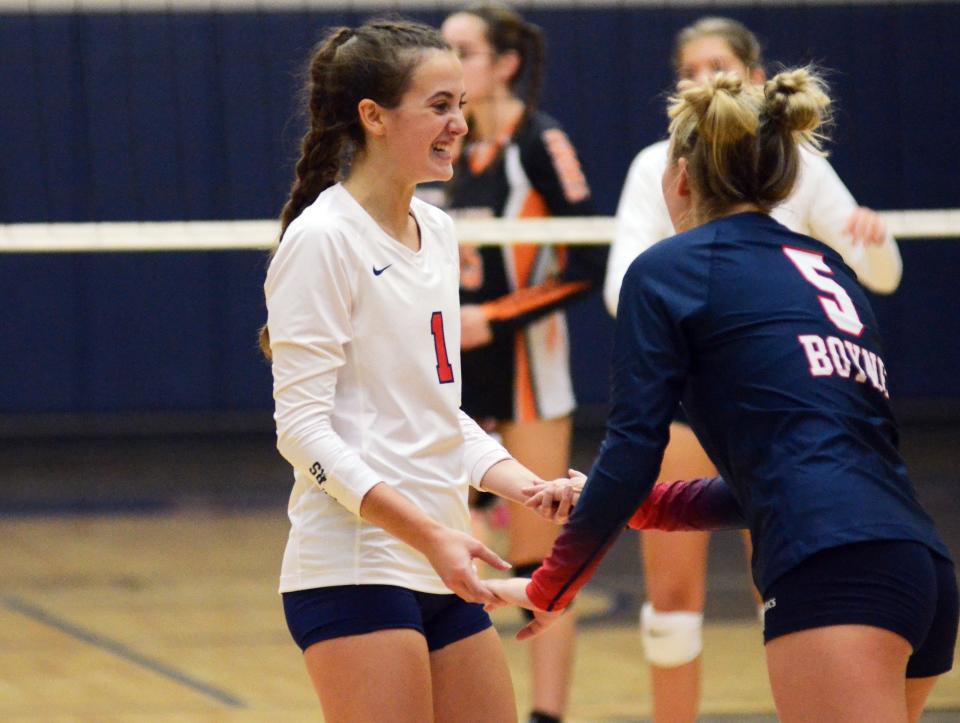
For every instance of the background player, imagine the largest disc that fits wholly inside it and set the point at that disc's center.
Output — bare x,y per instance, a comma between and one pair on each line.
821,206
363,328
516,161
773,347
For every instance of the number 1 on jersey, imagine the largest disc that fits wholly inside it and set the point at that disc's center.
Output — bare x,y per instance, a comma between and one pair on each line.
444,368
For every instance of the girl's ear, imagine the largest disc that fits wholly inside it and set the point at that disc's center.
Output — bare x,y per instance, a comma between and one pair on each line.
507,66
371,117
683,178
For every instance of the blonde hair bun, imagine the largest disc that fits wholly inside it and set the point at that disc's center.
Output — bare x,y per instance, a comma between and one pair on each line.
722,110
741,141
797,101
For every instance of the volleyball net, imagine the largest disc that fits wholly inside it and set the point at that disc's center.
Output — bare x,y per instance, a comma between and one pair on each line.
257,235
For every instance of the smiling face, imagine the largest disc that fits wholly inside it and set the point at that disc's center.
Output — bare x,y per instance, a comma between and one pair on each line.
421,130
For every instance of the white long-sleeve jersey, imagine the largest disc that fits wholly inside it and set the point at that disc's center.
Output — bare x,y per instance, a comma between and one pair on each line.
365,336
819,206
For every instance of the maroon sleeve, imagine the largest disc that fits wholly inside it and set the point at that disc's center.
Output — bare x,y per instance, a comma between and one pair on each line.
700,504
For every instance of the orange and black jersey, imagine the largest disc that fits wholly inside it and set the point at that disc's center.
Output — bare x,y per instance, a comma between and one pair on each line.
531,172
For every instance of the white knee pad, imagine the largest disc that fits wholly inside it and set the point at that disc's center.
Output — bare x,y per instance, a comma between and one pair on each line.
670,639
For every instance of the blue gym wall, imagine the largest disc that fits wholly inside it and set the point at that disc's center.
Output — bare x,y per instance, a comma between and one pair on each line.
184,116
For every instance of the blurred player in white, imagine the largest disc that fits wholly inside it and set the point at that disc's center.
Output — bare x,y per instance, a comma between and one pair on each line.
820,206
364,334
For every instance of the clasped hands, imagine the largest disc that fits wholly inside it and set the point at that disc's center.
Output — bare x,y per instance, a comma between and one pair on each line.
554,501
451,553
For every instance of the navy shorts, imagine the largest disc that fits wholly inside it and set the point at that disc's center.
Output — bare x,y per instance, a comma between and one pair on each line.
325,613
897,585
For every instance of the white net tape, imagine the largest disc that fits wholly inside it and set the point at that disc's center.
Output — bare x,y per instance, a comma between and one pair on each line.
254,235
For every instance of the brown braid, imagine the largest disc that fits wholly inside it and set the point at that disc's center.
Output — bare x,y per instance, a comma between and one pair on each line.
322,144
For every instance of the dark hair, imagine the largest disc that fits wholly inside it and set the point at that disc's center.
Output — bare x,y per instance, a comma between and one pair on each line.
742,42
506,31
741,142
377,61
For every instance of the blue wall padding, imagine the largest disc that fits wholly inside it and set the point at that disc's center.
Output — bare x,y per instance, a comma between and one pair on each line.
190,116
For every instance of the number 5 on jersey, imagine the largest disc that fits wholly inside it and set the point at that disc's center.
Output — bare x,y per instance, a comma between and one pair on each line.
838,305
444,368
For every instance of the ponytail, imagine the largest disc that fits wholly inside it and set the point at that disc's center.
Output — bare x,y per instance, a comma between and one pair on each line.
322,144
320,150
534,60
506,30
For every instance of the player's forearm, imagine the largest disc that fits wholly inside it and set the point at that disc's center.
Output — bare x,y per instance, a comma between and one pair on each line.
384,507
582,272
529,304
508,478
313,448
881,267
700,504
619,482
480,450
570,565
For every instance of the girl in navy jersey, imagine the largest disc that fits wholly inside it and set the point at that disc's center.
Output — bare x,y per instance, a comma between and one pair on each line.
517,162
771,344
364,335
819,205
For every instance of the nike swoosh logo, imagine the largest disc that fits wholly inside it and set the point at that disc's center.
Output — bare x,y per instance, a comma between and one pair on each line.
377,272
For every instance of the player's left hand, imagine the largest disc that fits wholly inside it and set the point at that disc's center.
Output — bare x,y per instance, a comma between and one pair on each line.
474,327
555,500
471,268
865,226
513,591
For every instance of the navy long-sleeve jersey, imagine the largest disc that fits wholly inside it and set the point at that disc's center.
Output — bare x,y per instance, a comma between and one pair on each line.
770,343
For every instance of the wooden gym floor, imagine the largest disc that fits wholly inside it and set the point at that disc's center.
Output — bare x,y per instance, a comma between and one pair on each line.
138,583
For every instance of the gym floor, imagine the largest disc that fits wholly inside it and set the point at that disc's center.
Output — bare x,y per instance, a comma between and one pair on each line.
139,584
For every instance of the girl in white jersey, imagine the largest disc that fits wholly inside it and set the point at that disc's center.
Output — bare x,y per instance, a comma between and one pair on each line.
364,336
820,206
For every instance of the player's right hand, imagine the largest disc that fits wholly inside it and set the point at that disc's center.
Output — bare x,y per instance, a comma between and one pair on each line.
513,591
451,553
866,226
